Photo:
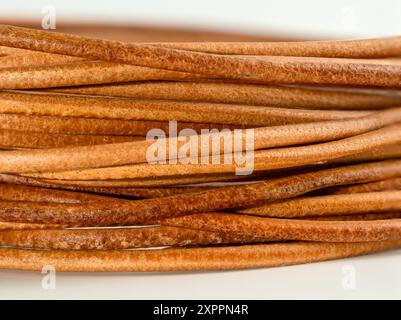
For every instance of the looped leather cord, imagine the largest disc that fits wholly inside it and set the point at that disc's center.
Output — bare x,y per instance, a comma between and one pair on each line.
76,190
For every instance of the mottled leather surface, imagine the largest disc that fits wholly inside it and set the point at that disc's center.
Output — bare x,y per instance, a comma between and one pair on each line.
271,69
79,163
225,258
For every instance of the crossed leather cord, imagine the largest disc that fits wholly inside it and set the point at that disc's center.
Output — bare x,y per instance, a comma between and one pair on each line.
326,121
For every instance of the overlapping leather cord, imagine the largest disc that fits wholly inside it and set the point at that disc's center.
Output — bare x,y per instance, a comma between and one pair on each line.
251,94
330,205
207,258
150,211
77,189
135,152
284,69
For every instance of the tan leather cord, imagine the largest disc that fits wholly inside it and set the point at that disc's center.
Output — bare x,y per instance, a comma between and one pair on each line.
388,152
148,192
126,183
133,192
151,182
160,110
136,192
127,188
369,48
77,189
120,185
375,154
262,160
135,152
153,210
385,153
83,73
13,149
20,139
25,226
154,192
267,69
34,59
359,217
271,229
330,205
387,184
11,192
135,183
213,258
7,51
89,126
251,94
107,239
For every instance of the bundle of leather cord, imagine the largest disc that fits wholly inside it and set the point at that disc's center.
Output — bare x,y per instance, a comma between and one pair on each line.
78,191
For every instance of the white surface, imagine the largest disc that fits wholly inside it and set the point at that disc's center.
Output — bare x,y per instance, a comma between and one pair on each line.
376,277
310,18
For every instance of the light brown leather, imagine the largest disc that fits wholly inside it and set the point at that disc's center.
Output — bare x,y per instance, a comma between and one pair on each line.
326,156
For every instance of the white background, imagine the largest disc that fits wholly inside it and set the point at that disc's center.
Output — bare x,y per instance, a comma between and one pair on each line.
376,276
307,18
